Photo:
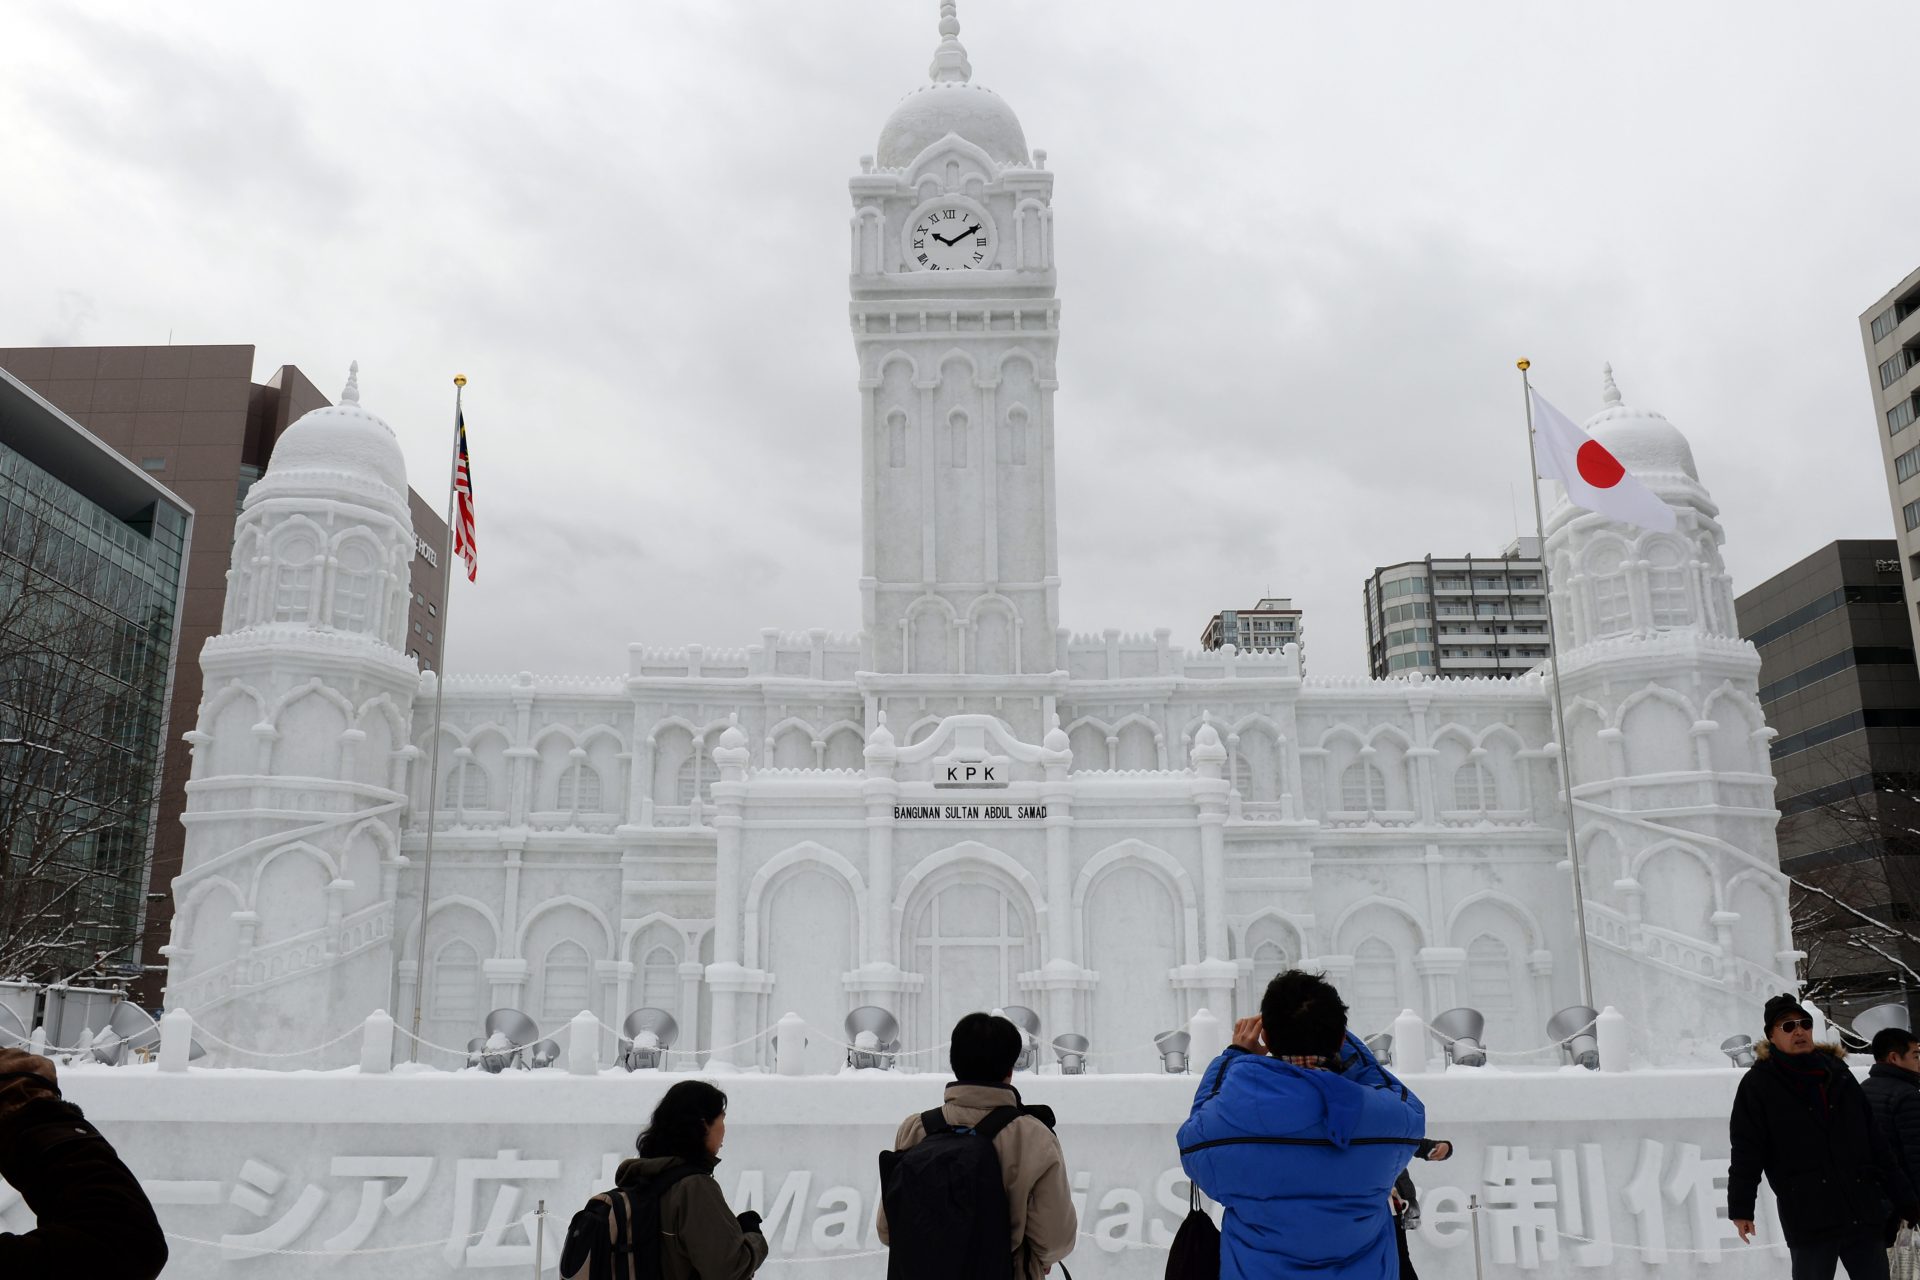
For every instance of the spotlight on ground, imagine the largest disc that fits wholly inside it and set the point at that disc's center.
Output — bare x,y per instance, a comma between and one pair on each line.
1572,1028
645,1037
875,1036
1740,1050
1460,1031
1072,1051
509,1034
1173,1051
1029,1023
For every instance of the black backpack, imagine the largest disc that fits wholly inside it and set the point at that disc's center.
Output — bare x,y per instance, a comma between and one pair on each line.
946,1201
1195,1254
617,1235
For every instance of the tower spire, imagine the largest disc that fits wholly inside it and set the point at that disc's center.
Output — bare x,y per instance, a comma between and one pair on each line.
950,59
351,393
1609,393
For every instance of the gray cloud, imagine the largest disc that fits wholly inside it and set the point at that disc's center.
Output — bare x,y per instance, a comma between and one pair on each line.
1300,248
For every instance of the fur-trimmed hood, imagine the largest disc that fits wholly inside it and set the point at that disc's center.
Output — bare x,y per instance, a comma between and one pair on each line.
1764,1050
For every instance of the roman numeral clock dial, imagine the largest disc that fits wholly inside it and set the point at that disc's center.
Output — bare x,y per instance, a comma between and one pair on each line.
949,233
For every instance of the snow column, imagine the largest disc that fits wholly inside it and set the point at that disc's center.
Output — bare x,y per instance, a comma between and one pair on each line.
726,975
1057,793
1216,972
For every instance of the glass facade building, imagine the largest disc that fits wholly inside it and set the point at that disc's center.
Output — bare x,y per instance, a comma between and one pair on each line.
92,560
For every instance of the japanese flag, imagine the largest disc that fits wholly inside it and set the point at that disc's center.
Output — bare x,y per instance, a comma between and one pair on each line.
1594,478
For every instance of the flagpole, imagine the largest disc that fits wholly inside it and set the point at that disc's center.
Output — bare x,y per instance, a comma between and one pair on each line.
433,743
1559,701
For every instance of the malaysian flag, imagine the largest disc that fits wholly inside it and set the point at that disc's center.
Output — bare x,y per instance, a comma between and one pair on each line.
463,497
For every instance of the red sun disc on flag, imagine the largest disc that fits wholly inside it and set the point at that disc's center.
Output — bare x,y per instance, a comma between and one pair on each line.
1598,467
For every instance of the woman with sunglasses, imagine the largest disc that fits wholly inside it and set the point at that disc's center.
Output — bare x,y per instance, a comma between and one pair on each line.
1802,1119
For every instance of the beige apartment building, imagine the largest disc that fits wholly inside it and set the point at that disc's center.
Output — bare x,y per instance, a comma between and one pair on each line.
1890,330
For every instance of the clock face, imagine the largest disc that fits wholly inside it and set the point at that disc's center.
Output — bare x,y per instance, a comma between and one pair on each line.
950,234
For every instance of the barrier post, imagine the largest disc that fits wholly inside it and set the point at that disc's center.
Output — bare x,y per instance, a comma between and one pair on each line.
583,1045
1208,1037
376,1049
1473,1213
1409,1043
790,1034
1610,1035
176,1039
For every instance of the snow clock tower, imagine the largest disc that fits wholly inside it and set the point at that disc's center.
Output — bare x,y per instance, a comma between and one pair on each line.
956,325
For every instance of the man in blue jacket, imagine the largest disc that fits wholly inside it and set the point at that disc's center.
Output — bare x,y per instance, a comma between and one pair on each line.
1299,1132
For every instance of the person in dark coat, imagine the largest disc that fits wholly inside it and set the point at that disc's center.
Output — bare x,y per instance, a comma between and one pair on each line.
83,1198
1893,1089
700,1237
1299,1133
1801,1118
1406,1201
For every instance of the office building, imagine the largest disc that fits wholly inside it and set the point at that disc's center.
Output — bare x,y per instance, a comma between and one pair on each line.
1271,624
92,585
1459,615
1839,685
193,418
1890,330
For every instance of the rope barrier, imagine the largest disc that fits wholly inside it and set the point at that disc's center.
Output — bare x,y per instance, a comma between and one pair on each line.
202,1033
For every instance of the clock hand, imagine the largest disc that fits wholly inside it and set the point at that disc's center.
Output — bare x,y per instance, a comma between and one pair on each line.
949,243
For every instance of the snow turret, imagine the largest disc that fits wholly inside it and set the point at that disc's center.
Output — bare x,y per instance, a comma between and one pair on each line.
951,104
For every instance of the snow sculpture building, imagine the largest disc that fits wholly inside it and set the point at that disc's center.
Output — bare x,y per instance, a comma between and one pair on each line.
964,806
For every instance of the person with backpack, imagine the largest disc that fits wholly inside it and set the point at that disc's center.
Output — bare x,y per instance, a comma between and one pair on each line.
84,1199
666,1218
976,1189
1300,1134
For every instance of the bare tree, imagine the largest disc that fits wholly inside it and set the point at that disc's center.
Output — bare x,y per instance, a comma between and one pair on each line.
1854,908
84,644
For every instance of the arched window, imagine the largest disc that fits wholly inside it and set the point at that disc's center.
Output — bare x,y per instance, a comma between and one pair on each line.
353,589
1472,788
957,432
694,779
455,993
1669,602
467,787
1013,440
563,981
660,980
580,788
1612,598
896,438
1490,977
1243,776
1362,788
1376,987
294,568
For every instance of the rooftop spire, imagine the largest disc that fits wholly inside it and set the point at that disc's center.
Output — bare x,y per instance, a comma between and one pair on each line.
1608,392
351,395
950,59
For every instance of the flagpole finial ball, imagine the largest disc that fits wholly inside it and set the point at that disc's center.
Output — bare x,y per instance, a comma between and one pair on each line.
1523,365
459,379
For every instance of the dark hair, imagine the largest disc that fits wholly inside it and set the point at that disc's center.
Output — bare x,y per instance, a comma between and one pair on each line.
984,1049
679,1125
1894,1040
1303,1015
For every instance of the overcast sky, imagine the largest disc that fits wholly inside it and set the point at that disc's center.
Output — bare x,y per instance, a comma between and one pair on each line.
1300,246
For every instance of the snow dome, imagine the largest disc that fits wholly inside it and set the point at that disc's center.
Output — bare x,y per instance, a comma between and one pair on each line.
342,438
951,105
1644,441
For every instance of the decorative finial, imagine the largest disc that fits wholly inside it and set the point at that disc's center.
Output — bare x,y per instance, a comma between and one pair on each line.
950,63
351,395
1608,392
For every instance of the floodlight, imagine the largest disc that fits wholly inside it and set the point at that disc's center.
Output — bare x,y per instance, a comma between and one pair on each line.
645,1037
875,1035
1173,1051
1740,1050
1380,1044
1460,1032
509,1033
1029,1023
1869,1023
1072,1051
128,1032
475,1047
1572,1029
545,1053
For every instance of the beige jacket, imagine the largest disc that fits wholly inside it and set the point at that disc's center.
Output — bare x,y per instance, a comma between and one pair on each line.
700,1239
1039,1200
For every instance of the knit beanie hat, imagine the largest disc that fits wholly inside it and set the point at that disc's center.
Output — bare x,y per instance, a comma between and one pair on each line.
1782,1006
